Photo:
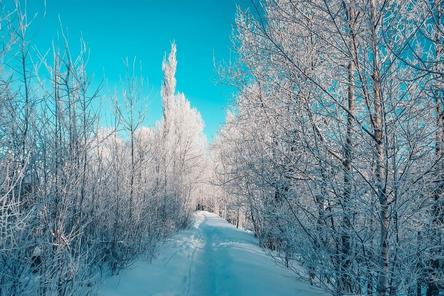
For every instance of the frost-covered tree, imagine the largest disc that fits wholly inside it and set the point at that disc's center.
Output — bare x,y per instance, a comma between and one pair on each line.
78,199
183,146
331,146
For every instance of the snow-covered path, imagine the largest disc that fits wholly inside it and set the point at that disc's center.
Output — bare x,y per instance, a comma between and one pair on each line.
211,258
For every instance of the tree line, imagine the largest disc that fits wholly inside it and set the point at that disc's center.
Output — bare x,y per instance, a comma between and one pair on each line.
78,199
333,150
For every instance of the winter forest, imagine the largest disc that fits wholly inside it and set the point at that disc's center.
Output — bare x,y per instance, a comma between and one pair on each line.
330,163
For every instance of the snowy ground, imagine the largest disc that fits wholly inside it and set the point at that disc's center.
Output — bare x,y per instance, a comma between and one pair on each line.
211,258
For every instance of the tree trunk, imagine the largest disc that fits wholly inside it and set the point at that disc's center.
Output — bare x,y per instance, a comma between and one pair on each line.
345,280
383,258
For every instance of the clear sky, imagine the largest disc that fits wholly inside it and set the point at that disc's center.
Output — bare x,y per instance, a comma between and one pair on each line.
116,29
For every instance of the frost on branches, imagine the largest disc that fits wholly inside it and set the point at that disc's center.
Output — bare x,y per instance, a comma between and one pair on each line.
333,152
78,200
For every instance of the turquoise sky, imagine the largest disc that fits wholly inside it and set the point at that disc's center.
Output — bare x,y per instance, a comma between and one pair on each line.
115,29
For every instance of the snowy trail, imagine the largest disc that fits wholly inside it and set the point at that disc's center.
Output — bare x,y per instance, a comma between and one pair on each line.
211,258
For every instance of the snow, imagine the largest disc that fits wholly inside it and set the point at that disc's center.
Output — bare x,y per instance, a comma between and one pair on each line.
210,258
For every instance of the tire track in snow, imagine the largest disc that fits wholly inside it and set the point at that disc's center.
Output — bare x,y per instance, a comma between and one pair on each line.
192,258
